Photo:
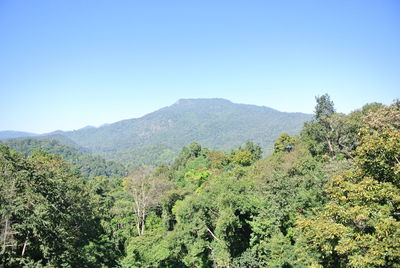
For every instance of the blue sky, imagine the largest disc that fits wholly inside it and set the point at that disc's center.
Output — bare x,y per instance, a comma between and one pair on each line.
68,64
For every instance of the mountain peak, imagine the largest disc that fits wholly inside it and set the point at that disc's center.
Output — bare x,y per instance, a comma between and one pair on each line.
157,137
87,127
202,101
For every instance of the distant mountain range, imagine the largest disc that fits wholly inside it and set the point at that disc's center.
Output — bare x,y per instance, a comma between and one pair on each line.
157,137
11,134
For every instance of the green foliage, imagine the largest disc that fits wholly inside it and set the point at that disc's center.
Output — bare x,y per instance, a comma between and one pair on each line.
146,190
288,185
114,208
243,158
255,150
324,108
86,165
359,226
247,155
285,143
330,198
232,219
212,224
47,216
217,159
333,134
146,251
197,177
379,155
187,153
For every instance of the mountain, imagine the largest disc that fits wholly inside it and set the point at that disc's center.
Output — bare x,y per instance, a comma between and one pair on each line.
214,123
61,138
87,127
85,165
10,134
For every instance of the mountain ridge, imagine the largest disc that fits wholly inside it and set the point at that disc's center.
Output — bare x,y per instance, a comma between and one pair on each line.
215,123
157,137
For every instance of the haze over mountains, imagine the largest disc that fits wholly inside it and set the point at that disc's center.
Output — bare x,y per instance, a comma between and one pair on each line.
157,137
11,134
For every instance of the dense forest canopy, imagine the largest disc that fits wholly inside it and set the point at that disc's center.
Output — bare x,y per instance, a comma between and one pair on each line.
329,197
85,164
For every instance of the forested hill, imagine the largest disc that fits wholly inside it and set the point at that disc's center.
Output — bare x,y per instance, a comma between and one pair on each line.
215,123
86,165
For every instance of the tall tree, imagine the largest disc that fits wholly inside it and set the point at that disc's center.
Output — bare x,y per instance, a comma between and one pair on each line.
146,190
324,108
334,134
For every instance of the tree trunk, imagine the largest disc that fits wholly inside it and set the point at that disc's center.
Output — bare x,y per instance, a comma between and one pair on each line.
329,145
5,236
25,244
143,221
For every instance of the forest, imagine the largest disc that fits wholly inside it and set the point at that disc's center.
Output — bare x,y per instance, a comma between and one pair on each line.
85,165
327,197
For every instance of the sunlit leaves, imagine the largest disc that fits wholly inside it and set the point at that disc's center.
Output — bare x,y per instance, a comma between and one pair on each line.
359,226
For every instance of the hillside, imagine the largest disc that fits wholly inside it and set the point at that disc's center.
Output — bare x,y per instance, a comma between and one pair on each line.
215,123
86,165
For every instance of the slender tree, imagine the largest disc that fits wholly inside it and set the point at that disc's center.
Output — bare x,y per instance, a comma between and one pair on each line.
146,190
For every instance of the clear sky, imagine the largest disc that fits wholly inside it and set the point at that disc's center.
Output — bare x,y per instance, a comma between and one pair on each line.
68,64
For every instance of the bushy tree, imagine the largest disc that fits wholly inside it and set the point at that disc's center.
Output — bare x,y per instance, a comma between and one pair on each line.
379,155
190,152
285,143
331,134
288,185
359,226
247,154
212,225
47,216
